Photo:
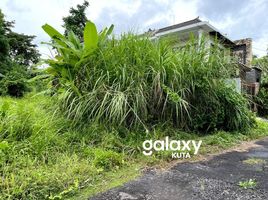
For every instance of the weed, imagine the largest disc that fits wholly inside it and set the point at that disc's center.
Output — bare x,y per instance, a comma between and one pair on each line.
254,161
107,160
44,156
134,82
248,184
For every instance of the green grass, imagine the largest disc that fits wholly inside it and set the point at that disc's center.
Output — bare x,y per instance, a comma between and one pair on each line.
254,161
135,82
248,184
43,157
110,180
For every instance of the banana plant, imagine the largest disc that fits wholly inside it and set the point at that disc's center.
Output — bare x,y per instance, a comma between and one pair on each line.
71,52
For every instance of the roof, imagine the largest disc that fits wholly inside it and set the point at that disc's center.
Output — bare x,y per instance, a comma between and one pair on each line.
257,68
243,67
191,25
187,23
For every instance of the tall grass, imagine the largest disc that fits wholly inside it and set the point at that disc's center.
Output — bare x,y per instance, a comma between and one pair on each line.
135,82
43,157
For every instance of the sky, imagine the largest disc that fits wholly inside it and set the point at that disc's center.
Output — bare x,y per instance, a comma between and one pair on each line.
236,18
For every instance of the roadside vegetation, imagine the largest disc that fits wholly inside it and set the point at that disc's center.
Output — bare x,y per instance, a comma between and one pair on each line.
254,161
17,53
43,157
248,184
136,83
262,97
79,126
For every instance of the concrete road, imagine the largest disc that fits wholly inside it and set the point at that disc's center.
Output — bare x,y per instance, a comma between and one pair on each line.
216,178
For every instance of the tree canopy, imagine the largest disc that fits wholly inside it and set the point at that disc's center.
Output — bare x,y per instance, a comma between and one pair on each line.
17,53
22,49
4,45
15,47
76,20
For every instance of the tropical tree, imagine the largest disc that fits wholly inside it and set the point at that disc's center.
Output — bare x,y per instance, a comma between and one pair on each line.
262,63
22,49
4,46
17,53
18,47
134,82
76,20
72,53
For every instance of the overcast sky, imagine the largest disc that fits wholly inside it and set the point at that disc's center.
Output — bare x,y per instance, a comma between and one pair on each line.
236,18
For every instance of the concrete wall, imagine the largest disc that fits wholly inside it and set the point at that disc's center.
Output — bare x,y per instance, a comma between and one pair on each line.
253,76
243,51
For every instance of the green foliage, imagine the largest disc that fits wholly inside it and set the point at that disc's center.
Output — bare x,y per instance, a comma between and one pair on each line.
262,63
22,49
72,53
248,184
107,160
220,107
40,82
17,53
15,82
237,116
135,82
223,139
76,20
17,47
43,157
90,37
254,161
262,97
53,33
4,46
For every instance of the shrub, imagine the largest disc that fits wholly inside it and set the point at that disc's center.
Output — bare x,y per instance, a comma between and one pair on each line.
36,159
15,82
237,116
135,82
262,98
42,156
107,160
47,158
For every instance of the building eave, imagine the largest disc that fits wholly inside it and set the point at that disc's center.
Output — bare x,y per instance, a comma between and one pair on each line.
200,25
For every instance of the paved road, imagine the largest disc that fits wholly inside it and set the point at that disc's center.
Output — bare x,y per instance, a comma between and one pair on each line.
216,178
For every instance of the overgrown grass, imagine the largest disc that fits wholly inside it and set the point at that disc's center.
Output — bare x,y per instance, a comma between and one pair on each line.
43,157
135,82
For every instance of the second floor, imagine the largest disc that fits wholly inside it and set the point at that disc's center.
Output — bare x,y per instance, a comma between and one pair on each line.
182,32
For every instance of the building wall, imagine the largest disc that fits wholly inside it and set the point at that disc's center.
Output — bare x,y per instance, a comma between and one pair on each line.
243,51
253,76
